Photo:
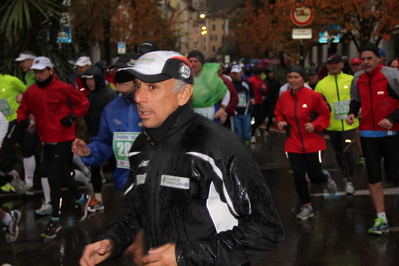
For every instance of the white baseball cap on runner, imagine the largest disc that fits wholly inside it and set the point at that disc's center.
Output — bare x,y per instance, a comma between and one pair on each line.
158,66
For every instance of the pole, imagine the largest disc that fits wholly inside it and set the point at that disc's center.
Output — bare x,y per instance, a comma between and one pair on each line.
301,59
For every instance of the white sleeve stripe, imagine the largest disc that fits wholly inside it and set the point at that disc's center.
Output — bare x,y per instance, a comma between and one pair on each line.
219,212
129,188
133,153
218,173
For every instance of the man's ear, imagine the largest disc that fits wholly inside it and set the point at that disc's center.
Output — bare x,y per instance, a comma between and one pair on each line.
185,94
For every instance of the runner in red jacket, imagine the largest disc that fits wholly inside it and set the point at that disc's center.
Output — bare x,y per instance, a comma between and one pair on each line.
304,114
55,106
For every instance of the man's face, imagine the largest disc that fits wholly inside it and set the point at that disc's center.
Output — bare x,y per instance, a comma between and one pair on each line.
394,64
156,101
42,75
26,64
235,76
196,64
125,88
356,67
91,84
313,78
370,61
335,67
82,69
271,75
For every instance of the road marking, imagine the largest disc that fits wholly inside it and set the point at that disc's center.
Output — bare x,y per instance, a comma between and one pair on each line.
364,192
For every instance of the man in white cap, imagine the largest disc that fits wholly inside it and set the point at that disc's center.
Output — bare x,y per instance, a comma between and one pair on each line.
31,139
194,190
82,64
55,106
25,60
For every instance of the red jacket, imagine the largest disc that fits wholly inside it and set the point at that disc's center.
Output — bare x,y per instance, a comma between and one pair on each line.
49,106
259,87
306,106
377,101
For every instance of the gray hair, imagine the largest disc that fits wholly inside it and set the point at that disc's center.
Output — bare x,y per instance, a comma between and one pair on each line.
179,85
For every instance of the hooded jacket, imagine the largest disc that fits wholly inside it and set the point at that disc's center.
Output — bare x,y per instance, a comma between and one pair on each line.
297,110
120,115
195,184
49,105
98,98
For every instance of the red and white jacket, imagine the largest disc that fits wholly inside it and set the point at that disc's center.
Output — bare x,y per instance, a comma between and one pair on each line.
297,110
49,105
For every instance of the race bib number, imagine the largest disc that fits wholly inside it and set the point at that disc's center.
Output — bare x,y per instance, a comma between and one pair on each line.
5,107
242,99
122,143
208,112
341,109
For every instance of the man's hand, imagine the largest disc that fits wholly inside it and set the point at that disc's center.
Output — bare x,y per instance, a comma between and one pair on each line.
385,123
80,148
221,113
350,119
95,253
161,256
309,127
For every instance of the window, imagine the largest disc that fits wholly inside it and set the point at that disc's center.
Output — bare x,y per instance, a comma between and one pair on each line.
213,27
214,37
213,49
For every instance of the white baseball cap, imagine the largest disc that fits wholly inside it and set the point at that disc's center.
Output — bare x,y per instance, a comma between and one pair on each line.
235,69
21,57
158,66
83,61
41,63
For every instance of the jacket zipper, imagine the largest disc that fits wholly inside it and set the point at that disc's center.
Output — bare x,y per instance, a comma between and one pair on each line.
297,124
371,102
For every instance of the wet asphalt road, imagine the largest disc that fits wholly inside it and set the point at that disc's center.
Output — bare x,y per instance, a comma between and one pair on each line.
336,235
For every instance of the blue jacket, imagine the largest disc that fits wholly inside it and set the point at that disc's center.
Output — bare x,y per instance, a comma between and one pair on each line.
120,115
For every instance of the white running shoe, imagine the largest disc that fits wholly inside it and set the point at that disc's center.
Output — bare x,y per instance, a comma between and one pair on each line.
45,209
349,188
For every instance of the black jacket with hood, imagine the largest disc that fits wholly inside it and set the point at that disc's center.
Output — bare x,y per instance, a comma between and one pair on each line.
98,98
195,184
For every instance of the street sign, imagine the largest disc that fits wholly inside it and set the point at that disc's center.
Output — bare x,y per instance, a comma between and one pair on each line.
300,34
64,35
121,47
302,16
325,36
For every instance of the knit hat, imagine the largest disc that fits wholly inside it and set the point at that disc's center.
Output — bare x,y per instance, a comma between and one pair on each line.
369,46
299,70
197,54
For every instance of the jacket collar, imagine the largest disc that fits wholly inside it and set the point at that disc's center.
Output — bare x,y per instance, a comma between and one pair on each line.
171,125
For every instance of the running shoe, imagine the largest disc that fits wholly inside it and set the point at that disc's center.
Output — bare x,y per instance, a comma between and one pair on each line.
95,205
52,229
7,188
331,186
379,227
305,213
81,208
45,209
17,183
12,229
349,188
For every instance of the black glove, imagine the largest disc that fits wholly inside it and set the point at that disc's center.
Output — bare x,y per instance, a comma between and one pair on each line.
68,120
23,124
